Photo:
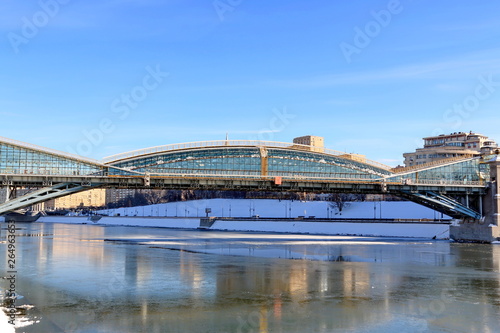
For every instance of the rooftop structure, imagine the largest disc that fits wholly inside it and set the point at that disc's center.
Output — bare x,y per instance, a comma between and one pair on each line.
316,143
458,144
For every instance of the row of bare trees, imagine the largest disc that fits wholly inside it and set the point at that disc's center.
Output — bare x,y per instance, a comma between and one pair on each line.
150,197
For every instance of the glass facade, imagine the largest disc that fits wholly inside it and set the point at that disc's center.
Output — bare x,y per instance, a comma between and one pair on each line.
216,161
240,161
247,161
470,172
293,163
19,160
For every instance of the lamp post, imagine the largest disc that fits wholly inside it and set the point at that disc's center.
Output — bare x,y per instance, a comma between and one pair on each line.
380,208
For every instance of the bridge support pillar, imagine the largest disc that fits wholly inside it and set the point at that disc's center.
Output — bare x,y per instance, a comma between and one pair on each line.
487,229
4,194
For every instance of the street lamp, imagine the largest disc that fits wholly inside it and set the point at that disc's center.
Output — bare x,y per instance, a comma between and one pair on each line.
380,208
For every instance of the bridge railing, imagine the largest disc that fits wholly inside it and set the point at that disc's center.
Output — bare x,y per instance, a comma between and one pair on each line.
431,164
319,177
240,143
441,182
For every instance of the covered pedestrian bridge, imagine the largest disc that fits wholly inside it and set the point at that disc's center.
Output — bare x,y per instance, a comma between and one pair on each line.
455,186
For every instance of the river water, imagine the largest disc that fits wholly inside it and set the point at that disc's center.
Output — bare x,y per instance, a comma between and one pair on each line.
89,278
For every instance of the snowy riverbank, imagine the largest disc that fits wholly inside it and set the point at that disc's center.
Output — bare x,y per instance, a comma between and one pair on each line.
278,216
5,326
278,209
402,229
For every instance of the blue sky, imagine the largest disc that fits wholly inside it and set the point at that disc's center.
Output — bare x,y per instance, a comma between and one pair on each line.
372,77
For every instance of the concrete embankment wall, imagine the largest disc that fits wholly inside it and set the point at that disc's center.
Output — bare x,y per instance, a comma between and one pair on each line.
171,222
419,230
406,229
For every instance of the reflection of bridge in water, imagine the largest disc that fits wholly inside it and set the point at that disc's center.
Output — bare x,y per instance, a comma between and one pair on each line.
202,278
461,188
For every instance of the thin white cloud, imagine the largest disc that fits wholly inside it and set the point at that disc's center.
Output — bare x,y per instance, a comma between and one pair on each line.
340,102
478,26
266,130
9,114
484,62
451,87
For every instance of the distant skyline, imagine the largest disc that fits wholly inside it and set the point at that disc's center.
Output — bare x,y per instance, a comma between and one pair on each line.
99,78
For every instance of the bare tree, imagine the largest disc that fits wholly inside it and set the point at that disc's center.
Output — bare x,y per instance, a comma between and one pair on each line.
155,196
339,201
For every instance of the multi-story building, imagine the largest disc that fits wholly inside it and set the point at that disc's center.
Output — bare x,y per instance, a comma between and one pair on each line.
114,195
90,198
317,143
458,144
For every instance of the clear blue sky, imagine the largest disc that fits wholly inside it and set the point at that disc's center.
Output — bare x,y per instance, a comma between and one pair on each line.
372,77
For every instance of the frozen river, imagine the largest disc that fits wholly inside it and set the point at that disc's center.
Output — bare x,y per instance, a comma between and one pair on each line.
88,278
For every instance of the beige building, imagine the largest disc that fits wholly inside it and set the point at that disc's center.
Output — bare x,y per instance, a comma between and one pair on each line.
90,198
317,142
458,144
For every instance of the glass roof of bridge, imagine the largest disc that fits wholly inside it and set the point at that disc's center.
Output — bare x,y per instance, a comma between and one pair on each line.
471,171
247,160
234,157
231,143
20,158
